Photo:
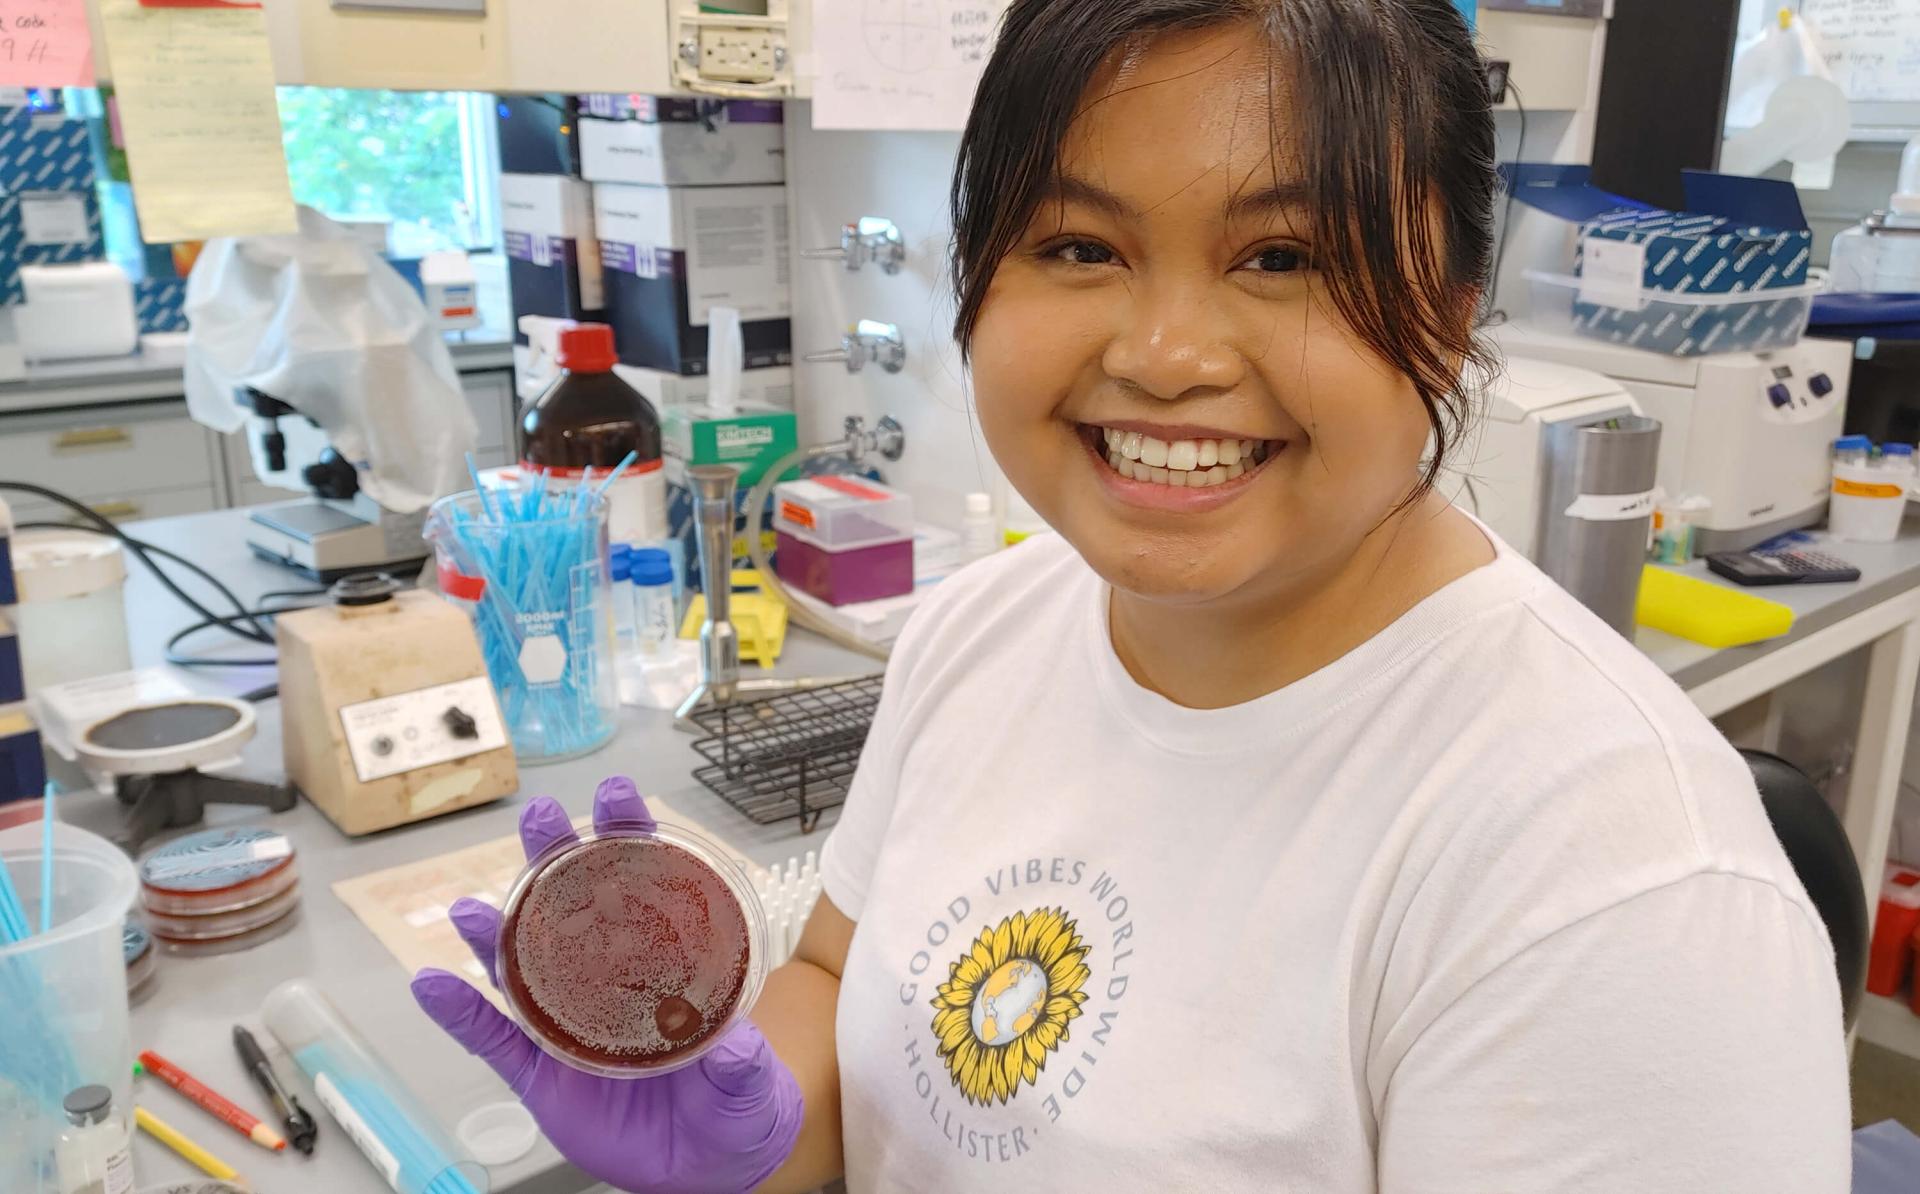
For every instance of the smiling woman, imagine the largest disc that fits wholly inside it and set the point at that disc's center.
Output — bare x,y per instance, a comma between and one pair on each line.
1272,826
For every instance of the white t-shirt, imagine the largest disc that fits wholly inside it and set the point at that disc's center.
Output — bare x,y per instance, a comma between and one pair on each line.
1484,906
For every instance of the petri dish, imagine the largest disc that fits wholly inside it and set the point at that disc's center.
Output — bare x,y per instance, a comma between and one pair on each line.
217,870
222,924
207,947
631,952
143,961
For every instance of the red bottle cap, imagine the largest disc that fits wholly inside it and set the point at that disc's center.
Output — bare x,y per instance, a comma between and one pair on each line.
587,348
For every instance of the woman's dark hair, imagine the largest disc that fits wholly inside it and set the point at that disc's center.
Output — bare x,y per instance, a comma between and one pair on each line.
1395,143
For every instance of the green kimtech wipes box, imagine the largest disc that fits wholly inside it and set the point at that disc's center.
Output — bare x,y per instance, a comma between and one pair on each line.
753,440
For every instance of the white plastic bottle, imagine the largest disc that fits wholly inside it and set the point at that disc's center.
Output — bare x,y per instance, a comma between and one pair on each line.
979,537
93,1152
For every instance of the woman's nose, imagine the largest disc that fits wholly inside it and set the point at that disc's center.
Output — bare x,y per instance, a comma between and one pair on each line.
1175,342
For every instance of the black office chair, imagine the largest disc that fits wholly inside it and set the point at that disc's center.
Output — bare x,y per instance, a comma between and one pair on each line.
1817,846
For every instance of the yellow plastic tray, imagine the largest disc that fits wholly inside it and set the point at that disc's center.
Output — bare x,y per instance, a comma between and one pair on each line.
759,618
1706,613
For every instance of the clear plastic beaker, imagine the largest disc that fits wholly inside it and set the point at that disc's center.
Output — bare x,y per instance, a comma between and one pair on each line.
64,992
531,569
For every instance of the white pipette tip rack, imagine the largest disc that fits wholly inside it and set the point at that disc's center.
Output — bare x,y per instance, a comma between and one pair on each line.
788,892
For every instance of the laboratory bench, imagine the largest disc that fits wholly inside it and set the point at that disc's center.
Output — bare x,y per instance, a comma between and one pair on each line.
116,435
189,1014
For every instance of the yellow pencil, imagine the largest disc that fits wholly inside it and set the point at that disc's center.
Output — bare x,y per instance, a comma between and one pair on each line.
206,1161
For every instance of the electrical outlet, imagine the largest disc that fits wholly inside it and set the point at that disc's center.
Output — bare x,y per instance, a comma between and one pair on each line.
738,55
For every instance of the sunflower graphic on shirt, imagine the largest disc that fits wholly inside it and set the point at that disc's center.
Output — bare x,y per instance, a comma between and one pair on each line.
1007,1002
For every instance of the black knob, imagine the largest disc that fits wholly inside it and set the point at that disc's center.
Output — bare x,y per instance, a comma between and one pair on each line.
1779,395
1820,384
459,723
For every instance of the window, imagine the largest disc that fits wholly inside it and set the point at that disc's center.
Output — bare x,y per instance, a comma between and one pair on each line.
425,160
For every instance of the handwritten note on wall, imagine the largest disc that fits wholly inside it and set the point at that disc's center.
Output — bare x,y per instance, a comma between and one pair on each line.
899,64
200,119
1872,46
45,43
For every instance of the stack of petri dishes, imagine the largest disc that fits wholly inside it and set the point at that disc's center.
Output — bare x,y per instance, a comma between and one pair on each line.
136,945
220,890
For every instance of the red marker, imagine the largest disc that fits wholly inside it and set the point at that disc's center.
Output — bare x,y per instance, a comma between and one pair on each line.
213,1104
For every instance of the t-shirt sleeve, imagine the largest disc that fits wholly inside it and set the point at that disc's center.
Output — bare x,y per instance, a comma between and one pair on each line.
1687,1039
847,860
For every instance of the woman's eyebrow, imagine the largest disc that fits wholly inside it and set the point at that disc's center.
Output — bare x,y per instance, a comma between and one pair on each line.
1279,199
1066,188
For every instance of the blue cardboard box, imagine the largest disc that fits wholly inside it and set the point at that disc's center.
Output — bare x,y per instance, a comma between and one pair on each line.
43,151
47,228
160,305
1683,283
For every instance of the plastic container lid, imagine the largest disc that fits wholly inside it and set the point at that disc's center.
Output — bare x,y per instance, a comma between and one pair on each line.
1896,449
650,1010
498,1133
842,513
1848,443
619,567
587,348
51,565
651,566
217,871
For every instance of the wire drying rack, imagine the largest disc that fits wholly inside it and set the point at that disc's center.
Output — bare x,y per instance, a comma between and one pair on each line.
787,756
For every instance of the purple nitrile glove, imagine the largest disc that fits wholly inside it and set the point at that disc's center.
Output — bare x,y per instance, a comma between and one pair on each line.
718,1126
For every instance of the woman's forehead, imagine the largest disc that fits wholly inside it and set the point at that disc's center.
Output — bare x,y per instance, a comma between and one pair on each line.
1204,108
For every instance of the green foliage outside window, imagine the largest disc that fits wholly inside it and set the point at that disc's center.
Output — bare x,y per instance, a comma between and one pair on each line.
396,155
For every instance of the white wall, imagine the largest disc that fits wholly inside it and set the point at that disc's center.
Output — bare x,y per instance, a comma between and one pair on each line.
834,177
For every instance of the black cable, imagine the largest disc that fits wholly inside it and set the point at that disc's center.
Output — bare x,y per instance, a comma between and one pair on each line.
174,657
1506,219
265,692
144,552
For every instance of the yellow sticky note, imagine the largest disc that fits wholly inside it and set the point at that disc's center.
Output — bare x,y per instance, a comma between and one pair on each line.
200,120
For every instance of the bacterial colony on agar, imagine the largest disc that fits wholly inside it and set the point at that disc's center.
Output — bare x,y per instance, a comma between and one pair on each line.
626,953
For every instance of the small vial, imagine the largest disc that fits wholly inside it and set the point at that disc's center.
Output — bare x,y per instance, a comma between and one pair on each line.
979,537
92,1152
655,629
1897,458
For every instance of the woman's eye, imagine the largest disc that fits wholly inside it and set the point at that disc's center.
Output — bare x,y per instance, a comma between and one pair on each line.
1081,252
1279,259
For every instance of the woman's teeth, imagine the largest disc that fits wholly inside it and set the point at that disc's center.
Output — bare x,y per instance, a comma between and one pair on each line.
1189,463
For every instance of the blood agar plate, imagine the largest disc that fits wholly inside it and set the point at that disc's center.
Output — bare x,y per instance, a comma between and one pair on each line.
631,952
216,871
210,946
222,924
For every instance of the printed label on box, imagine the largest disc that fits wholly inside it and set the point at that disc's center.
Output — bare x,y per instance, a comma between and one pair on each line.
1612,272
53,219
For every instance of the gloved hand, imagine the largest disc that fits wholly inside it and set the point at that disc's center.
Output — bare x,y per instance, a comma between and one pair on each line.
718,1126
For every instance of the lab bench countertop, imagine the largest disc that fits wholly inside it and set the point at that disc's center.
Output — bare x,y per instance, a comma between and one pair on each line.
1887,570
189,1015
138,378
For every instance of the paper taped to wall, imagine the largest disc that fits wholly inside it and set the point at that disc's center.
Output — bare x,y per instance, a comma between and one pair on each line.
45,43
201,121
899,64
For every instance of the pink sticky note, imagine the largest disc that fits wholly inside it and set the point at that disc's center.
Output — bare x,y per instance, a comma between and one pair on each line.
45,43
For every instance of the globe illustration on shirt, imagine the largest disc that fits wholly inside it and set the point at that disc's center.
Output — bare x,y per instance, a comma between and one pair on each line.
1010,1002
1007,1003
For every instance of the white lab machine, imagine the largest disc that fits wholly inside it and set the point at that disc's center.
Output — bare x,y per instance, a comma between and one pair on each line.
1748,431
1505,465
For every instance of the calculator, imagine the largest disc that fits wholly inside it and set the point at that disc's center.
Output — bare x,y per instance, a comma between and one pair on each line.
1797,566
